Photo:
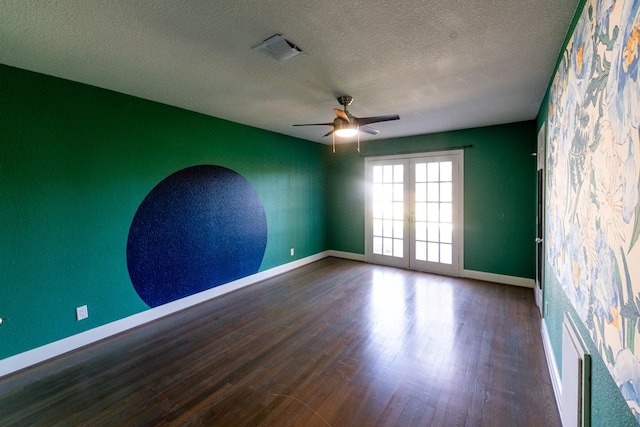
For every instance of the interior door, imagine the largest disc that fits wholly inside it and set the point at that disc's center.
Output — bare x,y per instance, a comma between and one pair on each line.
540,241
414,212
538,290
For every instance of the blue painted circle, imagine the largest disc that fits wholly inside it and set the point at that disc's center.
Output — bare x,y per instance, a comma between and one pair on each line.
197,229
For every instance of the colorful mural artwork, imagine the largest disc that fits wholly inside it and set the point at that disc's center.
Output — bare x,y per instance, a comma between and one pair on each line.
593,214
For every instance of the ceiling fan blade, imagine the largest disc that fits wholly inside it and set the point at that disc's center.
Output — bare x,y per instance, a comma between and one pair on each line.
327,134
367,120
316,124
368,129
342,115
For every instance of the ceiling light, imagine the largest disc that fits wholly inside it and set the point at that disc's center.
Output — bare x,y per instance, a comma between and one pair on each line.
279,49
346,129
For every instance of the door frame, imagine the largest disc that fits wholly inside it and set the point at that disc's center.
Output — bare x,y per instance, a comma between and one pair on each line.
404,263
541,180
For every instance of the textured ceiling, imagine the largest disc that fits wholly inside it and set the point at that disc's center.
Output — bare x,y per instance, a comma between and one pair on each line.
439,64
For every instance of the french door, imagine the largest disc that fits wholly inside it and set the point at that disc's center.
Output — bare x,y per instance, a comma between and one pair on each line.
414,212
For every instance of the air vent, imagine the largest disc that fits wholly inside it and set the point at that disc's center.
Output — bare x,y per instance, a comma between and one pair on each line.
279,49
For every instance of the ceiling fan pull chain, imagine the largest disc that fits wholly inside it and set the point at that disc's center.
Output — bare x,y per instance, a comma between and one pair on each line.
358,133
333,137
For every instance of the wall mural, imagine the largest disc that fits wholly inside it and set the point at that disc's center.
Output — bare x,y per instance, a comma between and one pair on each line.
593,214
199,228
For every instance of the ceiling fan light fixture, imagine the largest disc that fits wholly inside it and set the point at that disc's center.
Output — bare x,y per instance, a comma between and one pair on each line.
346,130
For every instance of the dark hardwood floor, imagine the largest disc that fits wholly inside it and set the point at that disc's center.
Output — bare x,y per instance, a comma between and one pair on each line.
336,342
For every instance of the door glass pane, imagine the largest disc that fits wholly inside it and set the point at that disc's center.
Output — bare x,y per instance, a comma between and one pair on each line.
433,252
377,174
421,211
433,212
377,227
398,210
398,192
387,211
387,192
388,228
433,192
398,249
446,192
433,172
446,171
387,247
446,233
445,254
398,173
434,232
421,172
377,245
377,209
398,229
421,251
446,212
421,192
421,231
387,173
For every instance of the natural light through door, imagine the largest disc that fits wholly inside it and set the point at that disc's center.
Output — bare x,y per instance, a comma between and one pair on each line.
434,212
388,210
414,211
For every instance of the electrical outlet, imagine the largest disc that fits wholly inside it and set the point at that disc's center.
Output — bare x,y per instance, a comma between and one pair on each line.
82,312
292,252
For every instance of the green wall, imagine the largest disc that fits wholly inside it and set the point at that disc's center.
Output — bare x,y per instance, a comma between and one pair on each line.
499,193
76,162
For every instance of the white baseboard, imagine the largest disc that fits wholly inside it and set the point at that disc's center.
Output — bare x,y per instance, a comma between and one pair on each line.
65,345
499,278
347,255
471,274
553,367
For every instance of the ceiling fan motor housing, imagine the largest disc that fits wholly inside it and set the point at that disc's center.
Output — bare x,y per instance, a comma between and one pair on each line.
345,100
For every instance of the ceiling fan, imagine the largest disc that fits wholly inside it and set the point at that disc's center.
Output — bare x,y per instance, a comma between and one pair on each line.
346,124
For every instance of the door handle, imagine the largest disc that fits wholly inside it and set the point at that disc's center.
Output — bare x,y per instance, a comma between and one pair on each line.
538,240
